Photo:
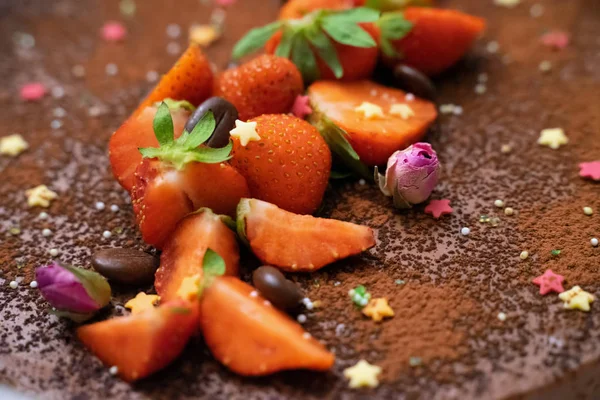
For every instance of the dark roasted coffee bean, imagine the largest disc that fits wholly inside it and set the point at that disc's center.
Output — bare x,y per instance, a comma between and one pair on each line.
413,81
128,266
281,292
225,115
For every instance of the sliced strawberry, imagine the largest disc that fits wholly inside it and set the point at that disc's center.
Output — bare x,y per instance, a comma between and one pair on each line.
334,44
295,9
191,79
179,177
298,243
137,132
264,85
141,344
337,115
437,40
251,337
184,251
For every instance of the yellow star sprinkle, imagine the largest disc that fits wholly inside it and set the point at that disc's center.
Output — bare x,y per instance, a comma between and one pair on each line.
362,374
553,138
40,196
203,35
245,132
142,302
13,145
577,299
370,110
403,111
377,309
188,290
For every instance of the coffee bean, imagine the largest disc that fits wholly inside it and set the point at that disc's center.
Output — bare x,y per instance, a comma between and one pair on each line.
128,266
281,292
225,115
413,81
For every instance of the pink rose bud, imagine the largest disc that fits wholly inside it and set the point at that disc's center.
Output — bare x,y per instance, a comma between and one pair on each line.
410,176
75,292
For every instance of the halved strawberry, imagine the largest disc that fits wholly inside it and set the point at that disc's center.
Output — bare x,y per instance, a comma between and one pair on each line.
141,344
191,79
298,243
184,251
437,40
251,337
338,116
325,43
182,176
136,132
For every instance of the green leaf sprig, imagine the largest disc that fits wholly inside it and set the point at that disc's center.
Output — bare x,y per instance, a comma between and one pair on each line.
393,26
313,33
186,148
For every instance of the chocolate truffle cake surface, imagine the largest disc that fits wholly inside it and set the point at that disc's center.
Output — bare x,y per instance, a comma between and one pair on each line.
468,323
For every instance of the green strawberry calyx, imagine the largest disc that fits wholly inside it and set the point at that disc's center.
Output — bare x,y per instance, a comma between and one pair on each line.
301,38
187,148
393,26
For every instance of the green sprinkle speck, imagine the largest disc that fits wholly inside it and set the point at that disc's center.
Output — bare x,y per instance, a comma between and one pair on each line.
118,230
360,296
415,361
399,282
555,252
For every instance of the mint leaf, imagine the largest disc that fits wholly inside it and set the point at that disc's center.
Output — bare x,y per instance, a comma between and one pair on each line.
150,152
325,50
349,34
285,45
393,26
213,264
339,175
178,104
163,125
202,131
376,4
304,59
355,15
254,40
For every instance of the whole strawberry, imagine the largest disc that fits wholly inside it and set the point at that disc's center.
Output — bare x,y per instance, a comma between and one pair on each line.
264,85
288,166
325,43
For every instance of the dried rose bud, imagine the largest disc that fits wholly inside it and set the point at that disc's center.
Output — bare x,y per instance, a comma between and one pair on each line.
75,292
410,176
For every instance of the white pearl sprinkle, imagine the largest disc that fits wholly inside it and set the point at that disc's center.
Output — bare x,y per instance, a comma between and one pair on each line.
509,211
363,302
458,110
53,252
113,370
493,47
56,124
306,335
106,234
480,88
46,232
173,31
536,10
151,76
482,77
173,48
114,208
43,215
524,254
59,112
465,231
501,316
33,284
301,318
594,242
99,205
362,182
253,293
499,203
58,92
13,284
78,71
409,97
111,69
309,306
588,210
545,66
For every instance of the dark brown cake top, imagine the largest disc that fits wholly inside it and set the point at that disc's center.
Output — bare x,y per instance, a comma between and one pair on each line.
469,323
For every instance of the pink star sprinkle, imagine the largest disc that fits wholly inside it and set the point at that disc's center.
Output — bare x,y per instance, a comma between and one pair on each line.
556,39
113,31
437,208
33,91
225,3
549,282
590,170
301,108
